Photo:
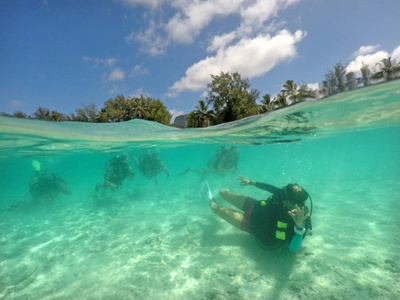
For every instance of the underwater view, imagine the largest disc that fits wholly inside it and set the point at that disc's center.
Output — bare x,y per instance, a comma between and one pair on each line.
121,210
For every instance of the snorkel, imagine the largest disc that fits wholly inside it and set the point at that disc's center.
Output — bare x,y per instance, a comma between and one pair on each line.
307,221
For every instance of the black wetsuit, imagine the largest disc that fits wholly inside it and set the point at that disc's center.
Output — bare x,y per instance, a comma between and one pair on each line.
270,214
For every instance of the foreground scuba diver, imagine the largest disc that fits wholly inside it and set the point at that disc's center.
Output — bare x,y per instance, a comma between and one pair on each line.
282,218
45,185
117,170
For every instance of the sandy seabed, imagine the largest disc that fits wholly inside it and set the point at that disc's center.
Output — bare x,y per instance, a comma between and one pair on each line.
170,246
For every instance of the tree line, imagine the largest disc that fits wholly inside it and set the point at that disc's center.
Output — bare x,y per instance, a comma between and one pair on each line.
116,109
231,97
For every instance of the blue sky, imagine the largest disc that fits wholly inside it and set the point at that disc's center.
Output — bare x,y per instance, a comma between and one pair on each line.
59,54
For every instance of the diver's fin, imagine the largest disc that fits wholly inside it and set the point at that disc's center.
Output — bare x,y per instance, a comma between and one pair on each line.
205,192
186,171
36,165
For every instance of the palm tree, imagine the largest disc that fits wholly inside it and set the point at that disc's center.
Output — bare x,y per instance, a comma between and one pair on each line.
387,69
202,115
305,92
279,101
296,93
139,108
340,73
290,92
350,81
334,80
266,104
365,73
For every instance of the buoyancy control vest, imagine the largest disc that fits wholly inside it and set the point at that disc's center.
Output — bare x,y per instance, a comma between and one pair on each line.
271,223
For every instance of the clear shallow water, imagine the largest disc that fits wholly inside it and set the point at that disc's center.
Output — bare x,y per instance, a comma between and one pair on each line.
152,240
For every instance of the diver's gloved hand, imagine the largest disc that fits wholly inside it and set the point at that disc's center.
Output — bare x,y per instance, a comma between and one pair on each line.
244,181
298,215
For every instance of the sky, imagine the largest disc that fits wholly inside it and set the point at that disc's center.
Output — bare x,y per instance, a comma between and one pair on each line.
62,54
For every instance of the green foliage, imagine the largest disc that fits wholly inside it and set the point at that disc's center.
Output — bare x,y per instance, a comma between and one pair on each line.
350,81
42,114
279,101
335,79
16,114
47,115
202,116
305,92
290,92
190,120
119,109
365,73
139,107
115,110
231,97
387,69
20,114
265,104
124,109
156,111
340,72
58,117
88,113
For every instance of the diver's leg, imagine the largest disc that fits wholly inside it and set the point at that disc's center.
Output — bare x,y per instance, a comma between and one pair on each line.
233,198
231,216
100,186
186,171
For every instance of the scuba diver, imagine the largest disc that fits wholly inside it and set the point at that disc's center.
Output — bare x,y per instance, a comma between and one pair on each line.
46,185
225,160
282,218
150,164
117,170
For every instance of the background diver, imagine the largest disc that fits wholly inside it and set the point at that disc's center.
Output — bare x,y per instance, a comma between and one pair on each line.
224,160
117,170
46,185
150,164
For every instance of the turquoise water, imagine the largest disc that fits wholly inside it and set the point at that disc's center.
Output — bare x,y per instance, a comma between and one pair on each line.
158,239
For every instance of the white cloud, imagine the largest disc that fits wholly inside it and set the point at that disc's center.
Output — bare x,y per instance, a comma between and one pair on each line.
220,41
313,86
195,15
370,59
150,40
396,54
116,75
256,13
104,62
149,3
138,70
189,18
366,50
251,57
